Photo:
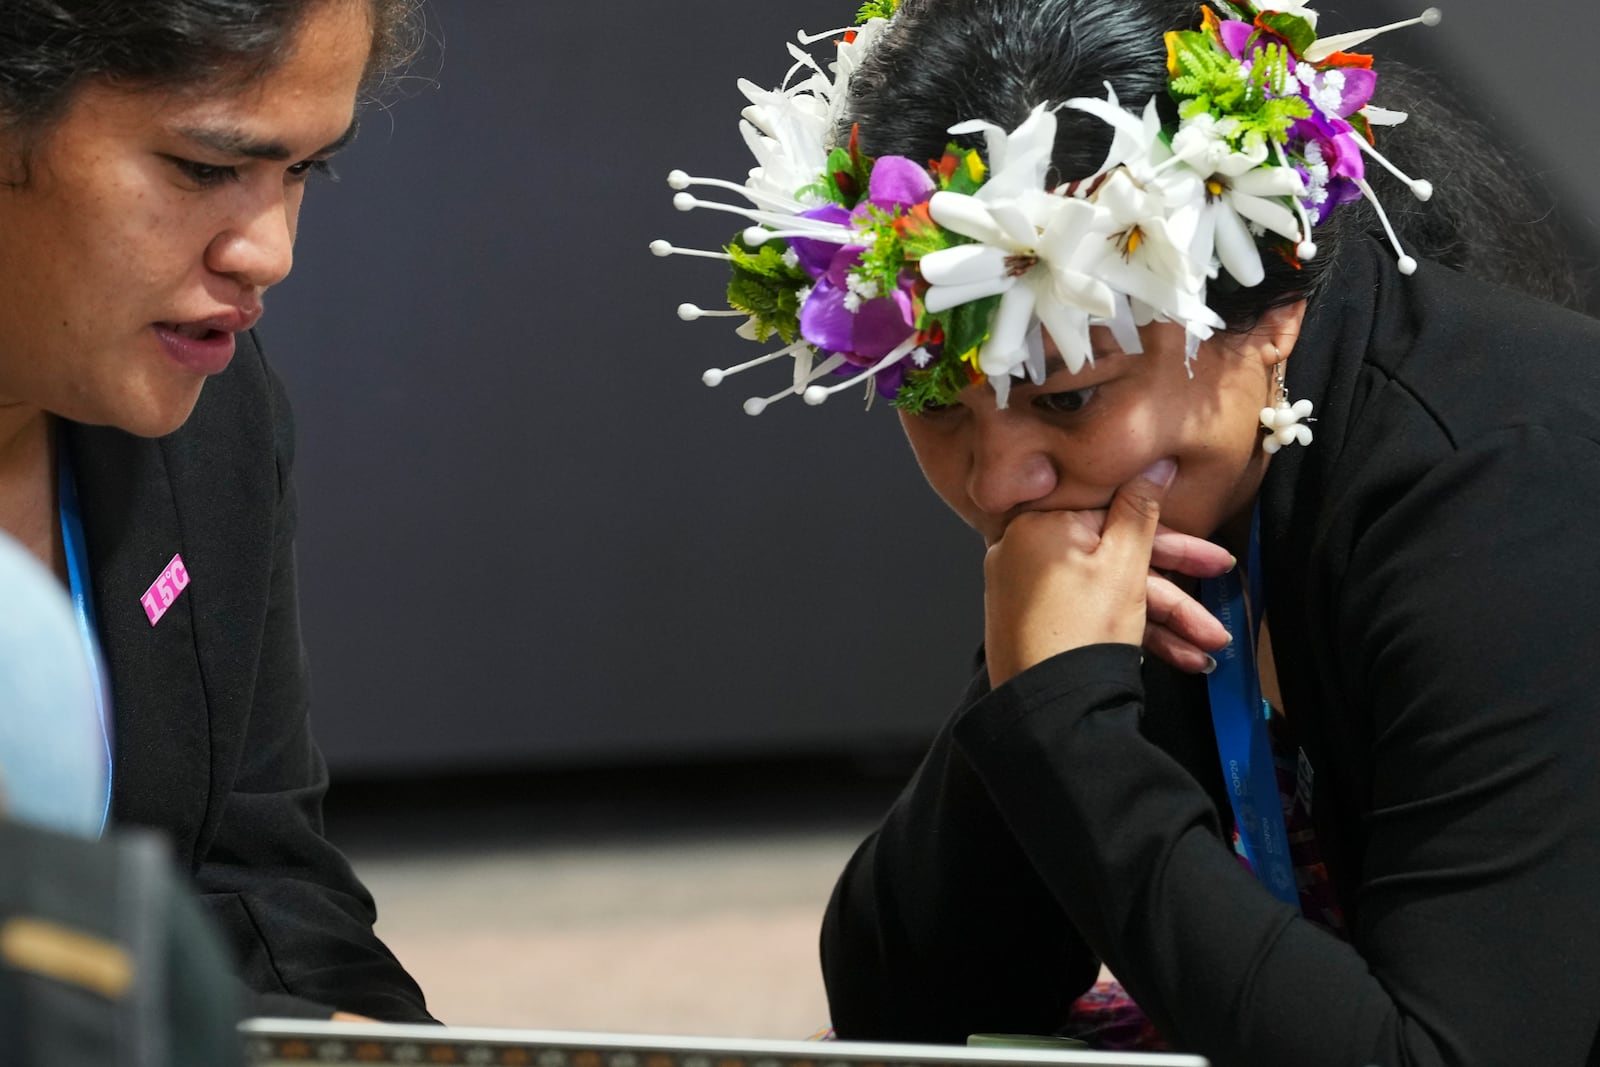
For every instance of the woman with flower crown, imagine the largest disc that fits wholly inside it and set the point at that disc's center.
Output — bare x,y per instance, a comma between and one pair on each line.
1297,737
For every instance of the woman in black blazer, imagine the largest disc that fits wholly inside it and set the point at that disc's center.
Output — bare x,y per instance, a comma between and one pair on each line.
155,154
1103,255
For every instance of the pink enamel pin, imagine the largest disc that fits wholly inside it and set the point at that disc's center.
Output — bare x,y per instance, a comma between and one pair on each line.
165,589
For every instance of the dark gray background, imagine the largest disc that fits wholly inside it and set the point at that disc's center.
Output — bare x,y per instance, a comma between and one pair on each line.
530,537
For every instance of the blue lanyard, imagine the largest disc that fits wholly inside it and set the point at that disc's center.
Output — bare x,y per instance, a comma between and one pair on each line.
83,609
1239,717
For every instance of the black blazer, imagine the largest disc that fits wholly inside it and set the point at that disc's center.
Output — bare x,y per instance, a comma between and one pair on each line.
213,743
1433,596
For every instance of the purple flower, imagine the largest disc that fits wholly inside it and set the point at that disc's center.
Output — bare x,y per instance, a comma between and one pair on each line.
1334,163
896,183
1236,38
814,255
847,315
874,328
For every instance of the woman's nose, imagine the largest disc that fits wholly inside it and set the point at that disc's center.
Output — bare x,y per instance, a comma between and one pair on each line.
1011,464
258,247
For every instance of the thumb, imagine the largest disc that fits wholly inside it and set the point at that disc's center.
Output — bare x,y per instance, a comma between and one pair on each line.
1135,511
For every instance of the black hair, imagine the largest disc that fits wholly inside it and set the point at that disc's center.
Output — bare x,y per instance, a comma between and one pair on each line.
943,61
51,48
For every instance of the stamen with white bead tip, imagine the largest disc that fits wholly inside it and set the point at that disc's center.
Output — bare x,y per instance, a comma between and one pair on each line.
714,376
1420,188
1339,42
756,236
690,312
818,394
667,248
1305,248
680,180
757,404
1406,264
812,38
688,202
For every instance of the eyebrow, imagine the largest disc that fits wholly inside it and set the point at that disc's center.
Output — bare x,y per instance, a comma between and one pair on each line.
235,142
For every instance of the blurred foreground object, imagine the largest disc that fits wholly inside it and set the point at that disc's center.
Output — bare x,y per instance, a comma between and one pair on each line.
53,763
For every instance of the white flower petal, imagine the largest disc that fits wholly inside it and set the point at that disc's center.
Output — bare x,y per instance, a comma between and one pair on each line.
1267,213
1269,181
964,265
1015,223
1002,390
1035,363
1382,116
1123,328
1235,247
969,217
1069,329
1006,347
944,297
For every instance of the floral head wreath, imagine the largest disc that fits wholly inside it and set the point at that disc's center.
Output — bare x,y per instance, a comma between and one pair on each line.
923,279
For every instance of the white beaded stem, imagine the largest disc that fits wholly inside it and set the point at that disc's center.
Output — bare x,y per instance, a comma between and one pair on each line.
817,394
1305,248
1420,188
714,376
681,180
690,312
667,248
688,202
1406,264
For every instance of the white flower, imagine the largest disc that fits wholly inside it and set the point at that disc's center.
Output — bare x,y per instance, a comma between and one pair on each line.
1328,96
787,131
845,63
1242,196
790,129
1034,249
1136,142
1150,258
1204,144
1316,192
1041,274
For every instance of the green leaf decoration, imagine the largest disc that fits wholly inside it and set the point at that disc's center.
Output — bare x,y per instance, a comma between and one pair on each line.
1212,82
1238,11
876,9
1205,72
1361,125
936,386
966,326
1292,28
767,289
886,258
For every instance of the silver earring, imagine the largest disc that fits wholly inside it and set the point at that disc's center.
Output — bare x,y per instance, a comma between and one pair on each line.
1282,421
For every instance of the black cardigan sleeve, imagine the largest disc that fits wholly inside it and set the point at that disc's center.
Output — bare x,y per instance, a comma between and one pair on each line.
1475,941
940,926
298,919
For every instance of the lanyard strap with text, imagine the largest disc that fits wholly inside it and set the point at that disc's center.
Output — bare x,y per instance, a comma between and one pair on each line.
1238,715
83,609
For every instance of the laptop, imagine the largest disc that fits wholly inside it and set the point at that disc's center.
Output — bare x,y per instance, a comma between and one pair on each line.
299,1042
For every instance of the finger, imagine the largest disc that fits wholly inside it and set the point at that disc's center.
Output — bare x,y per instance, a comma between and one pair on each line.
1170,607
1135,512
1193,556
1168,646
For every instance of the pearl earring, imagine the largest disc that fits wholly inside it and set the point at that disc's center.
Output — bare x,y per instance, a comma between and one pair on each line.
1282,420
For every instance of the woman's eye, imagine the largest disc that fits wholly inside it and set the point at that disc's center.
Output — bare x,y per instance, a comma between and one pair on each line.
205,175
319,168
1065,403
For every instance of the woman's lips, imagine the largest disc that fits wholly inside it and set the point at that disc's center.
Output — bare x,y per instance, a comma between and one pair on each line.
196,346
